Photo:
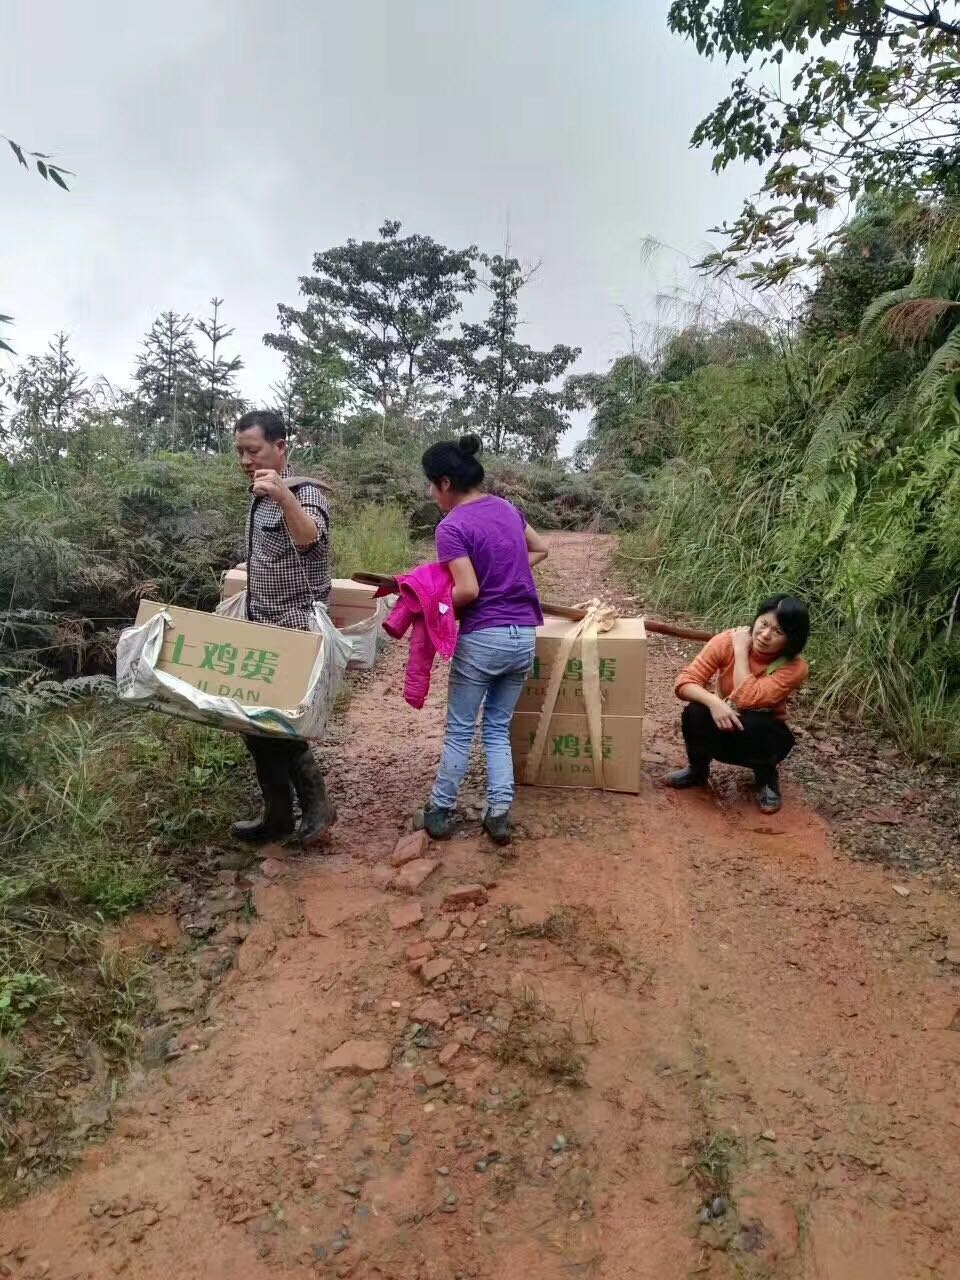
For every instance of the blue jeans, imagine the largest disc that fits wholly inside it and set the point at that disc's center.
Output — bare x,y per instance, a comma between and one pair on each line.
491,666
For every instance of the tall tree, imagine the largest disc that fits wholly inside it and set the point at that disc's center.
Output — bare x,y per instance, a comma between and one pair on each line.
314,389
218,379
167,393
385,307
872,106
616,398
50,393
505,393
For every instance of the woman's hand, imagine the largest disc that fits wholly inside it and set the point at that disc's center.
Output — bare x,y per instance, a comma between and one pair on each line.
724,716
742,640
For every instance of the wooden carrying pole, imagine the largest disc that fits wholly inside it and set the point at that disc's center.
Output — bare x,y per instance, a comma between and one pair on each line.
389,585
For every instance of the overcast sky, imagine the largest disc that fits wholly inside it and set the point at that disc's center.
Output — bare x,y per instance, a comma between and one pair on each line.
219,143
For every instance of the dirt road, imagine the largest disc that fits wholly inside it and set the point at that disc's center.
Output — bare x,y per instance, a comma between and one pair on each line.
659,1005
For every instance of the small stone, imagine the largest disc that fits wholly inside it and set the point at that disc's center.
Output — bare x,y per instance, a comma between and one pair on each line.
438,931
406,915
458,933
953,958
431,1013
433,1077
556,1162
704,1215
409,847
409,878
718,1206
559,1143
449,1052
359,1055
420,951
272,868
434,969
902,890
404,1139
468,918
462,895
769,1135
465,1034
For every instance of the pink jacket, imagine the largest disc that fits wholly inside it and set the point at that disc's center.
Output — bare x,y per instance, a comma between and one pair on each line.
426,604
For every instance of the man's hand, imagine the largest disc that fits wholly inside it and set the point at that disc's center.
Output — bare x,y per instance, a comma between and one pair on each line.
742,640
724,716
268,484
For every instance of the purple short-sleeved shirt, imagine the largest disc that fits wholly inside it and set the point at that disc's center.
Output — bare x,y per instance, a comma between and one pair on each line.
491,532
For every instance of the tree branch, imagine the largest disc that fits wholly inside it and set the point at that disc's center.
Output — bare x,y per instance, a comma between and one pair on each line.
928,21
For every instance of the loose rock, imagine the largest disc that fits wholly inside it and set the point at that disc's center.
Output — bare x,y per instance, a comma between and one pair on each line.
409,878
359,1055
462,895
409,847
406,915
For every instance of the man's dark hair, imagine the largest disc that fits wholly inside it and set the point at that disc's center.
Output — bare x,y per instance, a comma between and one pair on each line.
455,461
270,423
794,620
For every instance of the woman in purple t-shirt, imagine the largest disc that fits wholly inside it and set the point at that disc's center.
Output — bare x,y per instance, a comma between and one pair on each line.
489,549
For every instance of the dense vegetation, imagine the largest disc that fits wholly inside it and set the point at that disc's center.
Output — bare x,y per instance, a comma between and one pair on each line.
821,457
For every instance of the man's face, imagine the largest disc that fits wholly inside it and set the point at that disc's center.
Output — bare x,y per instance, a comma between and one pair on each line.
256,453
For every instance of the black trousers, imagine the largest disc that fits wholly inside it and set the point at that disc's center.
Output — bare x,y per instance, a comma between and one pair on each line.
760,745
274,758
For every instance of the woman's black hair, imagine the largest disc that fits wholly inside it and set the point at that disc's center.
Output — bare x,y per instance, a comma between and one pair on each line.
794,620
456,462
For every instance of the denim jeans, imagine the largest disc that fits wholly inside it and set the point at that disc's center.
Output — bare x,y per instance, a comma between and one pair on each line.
489,667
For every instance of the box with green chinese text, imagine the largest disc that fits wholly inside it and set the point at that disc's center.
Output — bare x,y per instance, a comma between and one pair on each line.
622,653
249,662
568,753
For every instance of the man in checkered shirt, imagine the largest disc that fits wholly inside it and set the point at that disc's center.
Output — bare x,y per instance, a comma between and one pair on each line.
288,569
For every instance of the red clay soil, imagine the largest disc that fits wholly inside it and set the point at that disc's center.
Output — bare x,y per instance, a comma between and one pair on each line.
768,1034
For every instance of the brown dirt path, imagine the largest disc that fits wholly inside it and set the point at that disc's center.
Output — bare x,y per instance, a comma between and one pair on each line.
756,1017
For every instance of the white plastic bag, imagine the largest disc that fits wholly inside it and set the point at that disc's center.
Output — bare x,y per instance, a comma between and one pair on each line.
363,637
140,683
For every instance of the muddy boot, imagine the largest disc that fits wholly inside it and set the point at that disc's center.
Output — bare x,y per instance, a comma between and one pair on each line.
438,823
317,814
497,827
273,774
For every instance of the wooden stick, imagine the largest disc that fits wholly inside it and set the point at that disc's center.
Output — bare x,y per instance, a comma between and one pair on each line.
559,611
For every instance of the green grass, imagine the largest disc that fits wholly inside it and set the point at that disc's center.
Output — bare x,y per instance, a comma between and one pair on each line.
372,538
107,806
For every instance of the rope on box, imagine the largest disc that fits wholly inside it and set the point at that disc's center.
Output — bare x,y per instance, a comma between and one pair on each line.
597,618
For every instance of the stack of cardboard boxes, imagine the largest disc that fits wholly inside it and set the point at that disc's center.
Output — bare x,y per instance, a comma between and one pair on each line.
568,756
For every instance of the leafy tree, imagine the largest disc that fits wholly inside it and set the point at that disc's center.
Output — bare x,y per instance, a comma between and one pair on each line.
313,391
872,106
616,398
505,393
218,379
696,346
874,252
167,393
384,307
49,393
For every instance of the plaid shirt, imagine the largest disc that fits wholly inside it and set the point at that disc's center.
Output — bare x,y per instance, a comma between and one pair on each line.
283,580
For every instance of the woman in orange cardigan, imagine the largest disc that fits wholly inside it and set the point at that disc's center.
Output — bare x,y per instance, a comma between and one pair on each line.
756,670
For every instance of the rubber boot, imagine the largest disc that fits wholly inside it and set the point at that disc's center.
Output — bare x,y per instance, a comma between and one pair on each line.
317,814
769,799
273,775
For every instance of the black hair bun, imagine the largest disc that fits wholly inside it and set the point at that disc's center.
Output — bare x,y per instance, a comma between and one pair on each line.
470,444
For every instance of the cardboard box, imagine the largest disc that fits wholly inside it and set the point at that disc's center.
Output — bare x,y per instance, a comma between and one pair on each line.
623,669
247,661
232,582
568,754
351,602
